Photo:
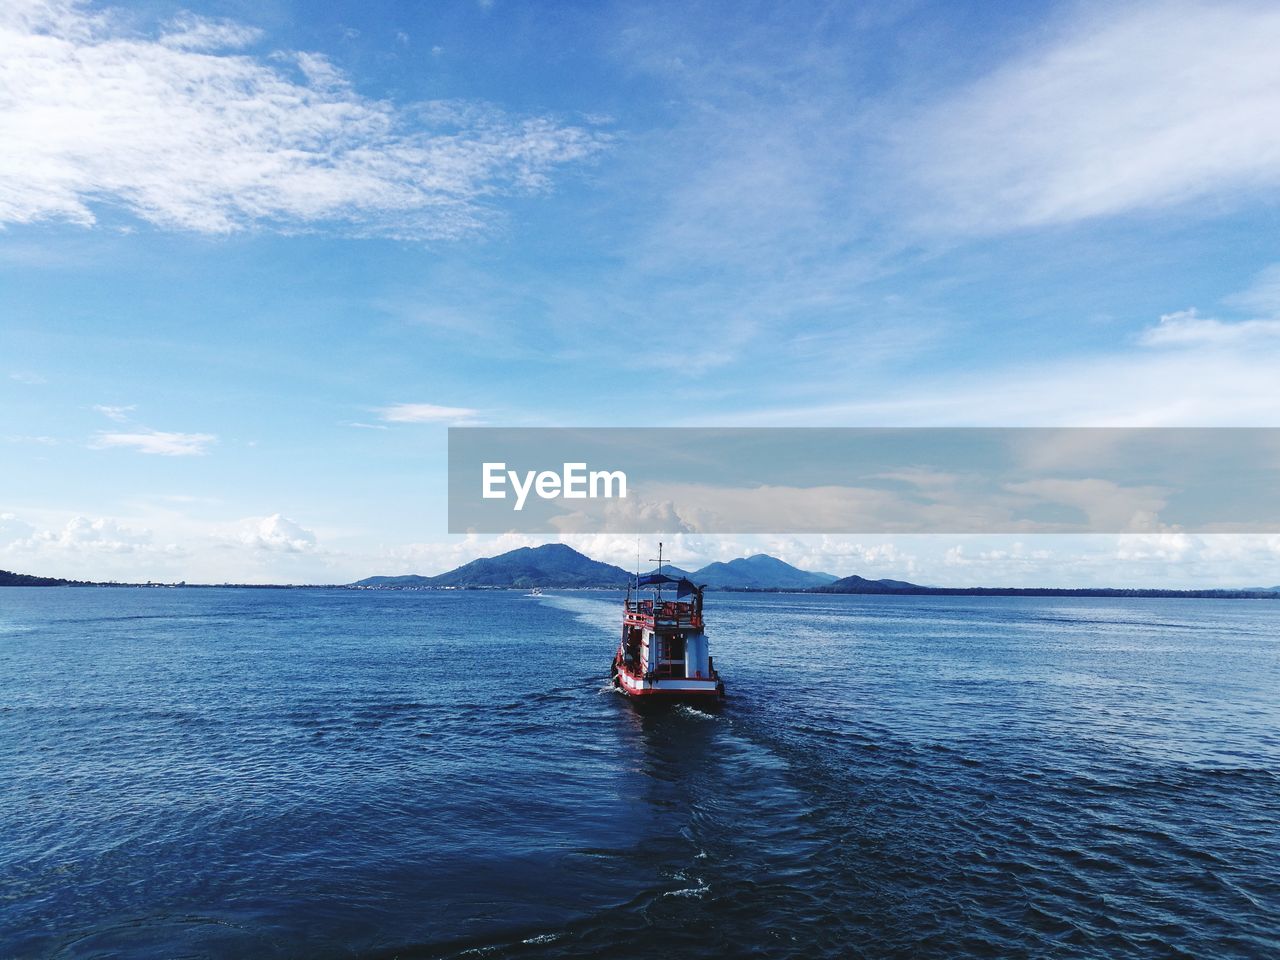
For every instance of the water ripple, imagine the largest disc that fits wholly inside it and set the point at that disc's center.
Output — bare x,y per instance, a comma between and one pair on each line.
329,773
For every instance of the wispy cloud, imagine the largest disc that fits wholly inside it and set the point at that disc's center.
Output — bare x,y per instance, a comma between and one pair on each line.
158,442
13,529
1129,109
426,413
116,413
188,128
1187,328
364,426
30,379
1263,295
190,32
1183,384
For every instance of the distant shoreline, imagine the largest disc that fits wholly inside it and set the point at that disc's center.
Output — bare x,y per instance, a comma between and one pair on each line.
557,566
1122,593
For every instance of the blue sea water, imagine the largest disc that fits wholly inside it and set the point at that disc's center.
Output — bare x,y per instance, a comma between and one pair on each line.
328,773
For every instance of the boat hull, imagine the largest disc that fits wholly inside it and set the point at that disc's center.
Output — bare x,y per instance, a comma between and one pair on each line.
704,691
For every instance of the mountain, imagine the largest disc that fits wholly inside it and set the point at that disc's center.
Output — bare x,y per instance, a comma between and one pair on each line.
671,570
761,572
552,565
556,565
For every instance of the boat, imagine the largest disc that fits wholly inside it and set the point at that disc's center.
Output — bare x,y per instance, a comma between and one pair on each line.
535,592
663,656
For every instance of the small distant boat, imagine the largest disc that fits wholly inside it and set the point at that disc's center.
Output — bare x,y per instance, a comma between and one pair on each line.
664,655
535,592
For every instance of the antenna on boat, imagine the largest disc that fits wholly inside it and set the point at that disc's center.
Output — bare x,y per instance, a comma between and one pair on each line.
659,583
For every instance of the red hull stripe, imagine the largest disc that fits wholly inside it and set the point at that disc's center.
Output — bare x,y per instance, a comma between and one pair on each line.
670,693
634,687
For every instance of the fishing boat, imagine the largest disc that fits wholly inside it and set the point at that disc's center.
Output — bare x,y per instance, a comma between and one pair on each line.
663,655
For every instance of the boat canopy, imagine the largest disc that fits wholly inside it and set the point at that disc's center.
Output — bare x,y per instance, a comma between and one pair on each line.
684,586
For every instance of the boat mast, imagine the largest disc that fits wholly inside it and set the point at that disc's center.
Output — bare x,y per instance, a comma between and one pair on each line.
658,585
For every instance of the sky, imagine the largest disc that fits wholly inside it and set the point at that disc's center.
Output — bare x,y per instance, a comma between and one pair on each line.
256,258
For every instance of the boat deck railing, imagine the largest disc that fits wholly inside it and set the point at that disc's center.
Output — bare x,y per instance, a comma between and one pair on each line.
667,613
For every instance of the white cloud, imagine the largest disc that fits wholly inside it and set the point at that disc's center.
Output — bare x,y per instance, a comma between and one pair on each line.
277,533
118,414
1187,328
1132,108
1169,560
1015,555
631,514
30,379
278,549
99,535
86,548
971,507
830,553
158,442
425,413
1156,546
13,529
1105,504
164,544
186,130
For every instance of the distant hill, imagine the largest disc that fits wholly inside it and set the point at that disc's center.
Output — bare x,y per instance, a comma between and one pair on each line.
551,565
556,565
671,570
8,579
760,572
856,584
410,580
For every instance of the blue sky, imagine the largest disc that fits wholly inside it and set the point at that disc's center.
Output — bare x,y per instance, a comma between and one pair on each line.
255,258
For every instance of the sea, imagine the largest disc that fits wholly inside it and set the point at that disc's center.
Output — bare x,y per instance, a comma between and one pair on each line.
336,773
